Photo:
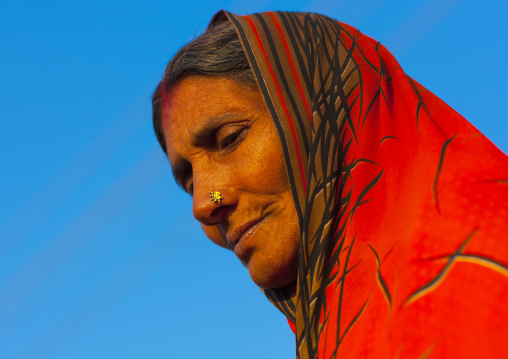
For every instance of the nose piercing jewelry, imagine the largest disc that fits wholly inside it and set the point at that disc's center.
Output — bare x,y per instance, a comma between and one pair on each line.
216,197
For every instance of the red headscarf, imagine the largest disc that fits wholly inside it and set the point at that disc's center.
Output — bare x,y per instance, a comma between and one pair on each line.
403,204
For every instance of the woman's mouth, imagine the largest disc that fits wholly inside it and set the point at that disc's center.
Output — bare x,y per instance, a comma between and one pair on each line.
241,238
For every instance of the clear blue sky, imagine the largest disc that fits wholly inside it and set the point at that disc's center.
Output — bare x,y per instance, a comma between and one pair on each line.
99,254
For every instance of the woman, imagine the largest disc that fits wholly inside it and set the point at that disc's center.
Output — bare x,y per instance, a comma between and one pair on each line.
371,214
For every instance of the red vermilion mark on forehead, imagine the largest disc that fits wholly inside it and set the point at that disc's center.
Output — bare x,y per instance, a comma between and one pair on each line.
165,97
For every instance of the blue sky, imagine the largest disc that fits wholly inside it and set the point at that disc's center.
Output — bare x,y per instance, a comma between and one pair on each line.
99,254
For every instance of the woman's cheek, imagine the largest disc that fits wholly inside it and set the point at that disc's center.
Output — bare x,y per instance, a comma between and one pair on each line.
265,167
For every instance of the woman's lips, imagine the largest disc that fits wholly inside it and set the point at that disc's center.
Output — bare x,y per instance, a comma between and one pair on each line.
240,238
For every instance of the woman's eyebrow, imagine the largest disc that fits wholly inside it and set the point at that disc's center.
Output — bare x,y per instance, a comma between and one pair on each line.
209,127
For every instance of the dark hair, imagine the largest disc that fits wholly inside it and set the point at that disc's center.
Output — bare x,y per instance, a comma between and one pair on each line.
217,52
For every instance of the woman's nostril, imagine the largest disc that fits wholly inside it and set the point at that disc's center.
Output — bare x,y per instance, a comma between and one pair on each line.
216,213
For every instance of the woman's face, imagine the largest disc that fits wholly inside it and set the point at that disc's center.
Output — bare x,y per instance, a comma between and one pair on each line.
220,137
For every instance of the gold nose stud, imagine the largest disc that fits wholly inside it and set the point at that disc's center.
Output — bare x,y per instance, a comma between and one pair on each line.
216,197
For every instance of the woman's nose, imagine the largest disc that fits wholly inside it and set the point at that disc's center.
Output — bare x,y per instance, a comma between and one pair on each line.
208,199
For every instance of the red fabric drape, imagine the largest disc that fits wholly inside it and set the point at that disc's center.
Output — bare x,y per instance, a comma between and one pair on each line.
403,204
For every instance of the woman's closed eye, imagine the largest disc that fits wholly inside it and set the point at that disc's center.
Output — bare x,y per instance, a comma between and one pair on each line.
183,176
230,138
188,186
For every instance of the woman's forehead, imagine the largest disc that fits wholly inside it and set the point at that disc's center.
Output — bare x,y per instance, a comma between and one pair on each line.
198,105
200,98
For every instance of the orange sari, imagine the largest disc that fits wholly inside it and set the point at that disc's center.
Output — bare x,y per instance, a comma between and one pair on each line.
403,204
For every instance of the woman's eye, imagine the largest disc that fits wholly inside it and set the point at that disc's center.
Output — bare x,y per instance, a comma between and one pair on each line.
230,139
188,185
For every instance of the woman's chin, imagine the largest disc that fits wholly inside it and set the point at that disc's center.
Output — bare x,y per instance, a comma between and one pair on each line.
269,276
